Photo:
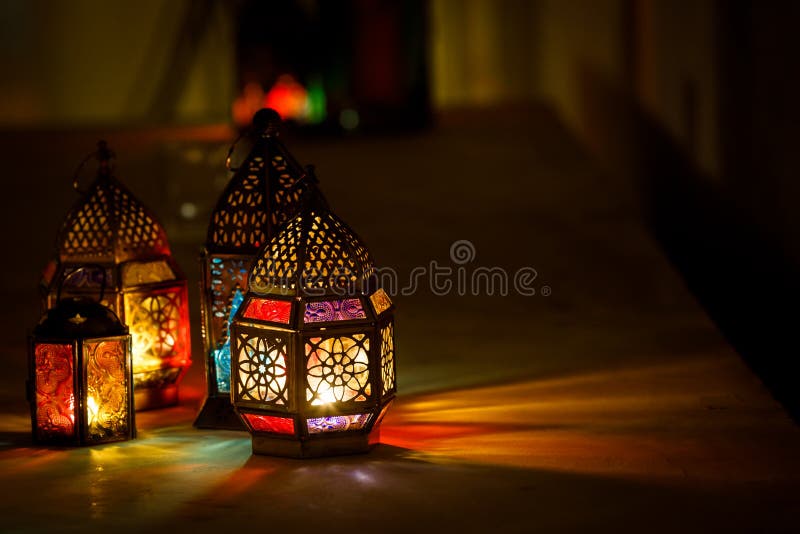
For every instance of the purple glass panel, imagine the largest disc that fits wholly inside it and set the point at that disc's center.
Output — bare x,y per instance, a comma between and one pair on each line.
334,310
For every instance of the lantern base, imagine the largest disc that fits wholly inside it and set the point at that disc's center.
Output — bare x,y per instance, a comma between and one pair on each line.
218,413
314,448
152,398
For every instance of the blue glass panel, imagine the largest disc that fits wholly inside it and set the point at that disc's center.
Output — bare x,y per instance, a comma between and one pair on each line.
222,355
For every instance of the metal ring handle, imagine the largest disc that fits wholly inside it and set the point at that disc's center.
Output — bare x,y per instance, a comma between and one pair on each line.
95,266
103,154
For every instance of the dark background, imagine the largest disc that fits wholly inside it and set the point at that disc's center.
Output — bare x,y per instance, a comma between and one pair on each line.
628,150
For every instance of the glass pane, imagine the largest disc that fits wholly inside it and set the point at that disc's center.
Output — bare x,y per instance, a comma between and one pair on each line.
269,423
334,310
86,277
55,391
261,369
228,282
380,301
159,326
138,273
107,393
337,369
337,423
277,311
387,357
222,355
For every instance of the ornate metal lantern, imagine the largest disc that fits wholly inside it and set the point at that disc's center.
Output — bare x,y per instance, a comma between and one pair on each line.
264,193
312,344
109,226
80,384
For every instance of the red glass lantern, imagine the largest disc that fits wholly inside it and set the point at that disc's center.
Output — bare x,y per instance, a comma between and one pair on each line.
109,226
312,345
263,194
80,384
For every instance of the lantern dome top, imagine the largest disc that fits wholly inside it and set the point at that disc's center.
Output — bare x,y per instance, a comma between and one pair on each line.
109,224
314,253
79,317
263,194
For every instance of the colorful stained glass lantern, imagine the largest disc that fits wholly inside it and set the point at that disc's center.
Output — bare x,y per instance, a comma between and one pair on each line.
109,226
264,193
312,344
80,384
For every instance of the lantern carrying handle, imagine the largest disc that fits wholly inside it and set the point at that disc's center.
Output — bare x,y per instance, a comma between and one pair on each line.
266,121
95,266
104,156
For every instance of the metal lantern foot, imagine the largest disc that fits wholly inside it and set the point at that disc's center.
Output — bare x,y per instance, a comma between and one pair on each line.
218,412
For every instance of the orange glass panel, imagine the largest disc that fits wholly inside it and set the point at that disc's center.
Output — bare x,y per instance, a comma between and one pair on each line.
55,391
380,301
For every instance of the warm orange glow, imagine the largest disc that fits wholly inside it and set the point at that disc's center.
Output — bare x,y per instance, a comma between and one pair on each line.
288,98
601,423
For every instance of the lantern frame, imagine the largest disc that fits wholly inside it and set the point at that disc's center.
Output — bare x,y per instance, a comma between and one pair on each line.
295,367
81,355
265,191
108,226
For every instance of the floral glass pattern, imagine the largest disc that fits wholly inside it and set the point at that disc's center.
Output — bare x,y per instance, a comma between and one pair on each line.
55,391
387,358
262,369
159,331
337,423
337,369
333,310
270,423
277,311
107,391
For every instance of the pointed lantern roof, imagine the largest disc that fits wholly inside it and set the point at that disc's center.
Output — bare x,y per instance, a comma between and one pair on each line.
109,224
264,193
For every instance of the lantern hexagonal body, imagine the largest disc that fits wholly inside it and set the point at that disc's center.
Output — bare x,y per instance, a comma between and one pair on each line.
264,193
80,384
110,227
312,344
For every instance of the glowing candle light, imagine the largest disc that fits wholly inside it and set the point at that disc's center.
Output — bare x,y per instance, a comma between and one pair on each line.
312,345
80,385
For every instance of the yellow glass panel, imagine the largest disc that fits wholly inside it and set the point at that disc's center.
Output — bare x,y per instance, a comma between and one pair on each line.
380,301
138,273
156,325
107,388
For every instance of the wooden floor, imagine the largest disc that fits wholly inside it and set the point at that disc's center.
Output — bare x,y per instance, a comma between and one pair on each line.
612,404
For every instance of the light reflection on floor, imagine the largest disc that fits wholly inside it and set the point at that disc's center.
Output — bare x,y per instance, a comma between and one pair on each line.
666,421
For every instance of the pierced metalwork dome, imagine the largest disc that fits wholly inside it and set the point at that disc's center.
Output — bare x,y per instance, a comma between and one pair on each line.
109,224
316,253
264,193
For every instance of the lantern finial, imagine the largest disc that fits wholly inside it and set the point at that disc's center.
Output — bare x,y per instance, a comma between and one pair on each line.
104,156
267,121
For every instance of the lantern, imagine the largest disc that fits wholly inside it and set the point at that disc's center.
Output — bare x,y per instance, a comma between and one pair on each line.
312,344
80,384
109,226
263,194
